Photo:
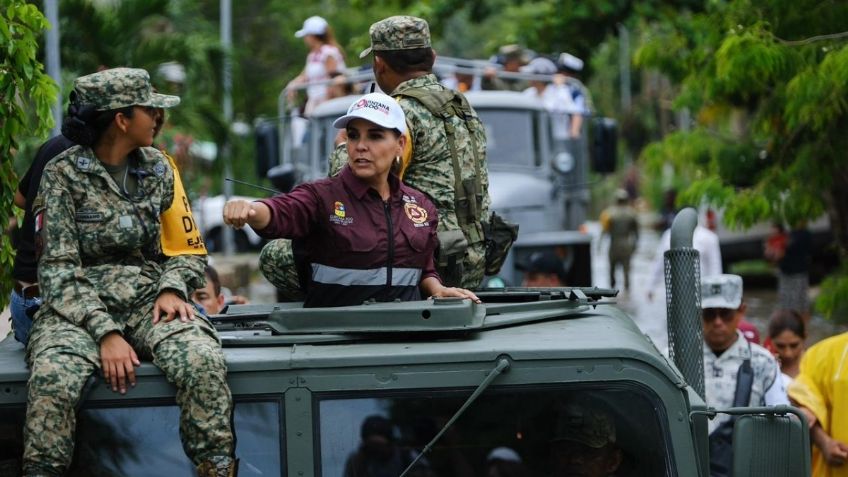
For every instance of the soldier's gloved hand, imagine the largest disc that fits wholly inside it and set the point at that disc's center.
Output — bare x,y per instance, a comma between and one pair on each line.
169,305
118,360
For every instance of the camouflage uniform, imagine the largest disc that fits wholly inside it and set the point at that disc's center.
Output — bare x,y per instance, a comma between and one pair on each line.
100,271
721,371
430,169
720,376
276,262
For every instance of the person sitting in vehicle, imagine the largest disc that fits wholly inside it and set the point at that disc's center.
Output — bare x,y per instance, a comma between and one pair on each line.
544,269
368,235
585,443
115,276
379,454
211,299
505,462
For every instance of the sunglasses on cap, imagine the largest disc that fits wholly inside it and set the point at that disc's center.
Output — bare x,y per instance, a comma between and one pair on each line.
710,314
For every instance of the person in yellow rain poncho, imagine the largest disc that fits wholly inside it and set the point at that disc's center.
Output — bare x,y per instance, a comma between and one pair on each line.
821,389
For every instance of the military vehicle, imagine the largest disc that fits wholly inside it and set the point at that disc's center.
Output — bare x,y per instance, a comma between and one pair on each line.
435,387
538,177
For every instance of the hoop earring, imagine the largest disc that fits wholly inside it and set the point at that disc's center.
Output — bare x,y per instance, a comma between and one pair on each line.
397,161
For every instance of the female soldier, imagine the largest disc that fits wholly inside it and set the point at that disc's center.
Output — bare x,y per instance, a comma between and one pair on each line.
368,235
113,279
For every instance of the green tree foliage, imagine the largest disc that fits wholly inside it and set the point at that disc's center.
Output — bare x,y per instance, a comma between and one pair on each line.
26,94
767,87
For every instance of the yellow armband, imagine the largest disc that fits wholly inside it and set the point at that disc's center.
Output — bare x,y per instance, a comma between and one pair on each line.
180,235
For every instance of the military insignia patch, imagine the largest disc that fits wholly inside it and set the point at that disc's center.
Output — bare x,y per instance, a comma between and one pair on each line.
39,221
416,213
83,163
159,169
89,216
39,226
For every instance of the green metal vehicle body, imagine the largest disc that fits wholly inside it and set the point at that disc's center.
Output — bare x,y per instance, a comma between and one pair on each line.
302,396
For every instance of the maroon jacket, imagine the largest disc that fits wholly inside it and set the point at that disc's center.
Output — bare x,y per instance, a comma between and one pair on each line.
358,246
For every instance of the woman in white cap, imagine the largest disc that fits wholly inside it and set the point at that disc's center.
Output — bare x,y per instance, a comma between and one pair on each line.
325,57
115,277
368,235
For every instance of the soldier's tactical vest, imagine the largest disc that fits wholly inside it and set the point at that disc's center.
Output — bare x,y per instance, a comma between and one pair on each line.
456,113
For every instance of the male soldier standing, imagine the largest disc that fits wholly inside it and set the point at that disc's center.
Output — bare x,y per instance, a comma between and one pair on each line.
736,372
620,223
447,157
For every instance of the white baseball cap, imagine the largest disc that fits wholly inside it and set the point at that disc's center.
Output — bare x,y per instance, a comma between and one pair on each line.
312,26
721,291
378,108
539,66
571,62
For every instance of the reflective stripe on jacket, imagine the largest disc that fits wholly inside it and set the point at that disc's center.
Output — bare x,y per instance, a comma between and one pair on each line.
352,254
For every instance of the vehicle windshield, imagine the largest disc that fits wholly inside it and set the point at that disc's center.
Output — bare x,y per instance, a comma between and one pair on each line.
544,431
511,137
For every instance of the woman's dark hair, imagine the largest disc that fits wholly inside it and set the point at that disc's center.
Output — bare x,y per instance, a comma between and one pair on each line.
408,61
785,319
84,125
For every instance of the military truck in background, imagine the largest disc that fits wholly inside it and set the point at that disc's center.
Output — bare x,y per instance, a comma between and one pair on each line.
536,180
434,387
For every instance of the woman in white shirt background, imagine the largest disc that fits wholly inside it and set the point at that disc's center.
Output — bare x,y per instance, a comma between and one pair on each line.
325,57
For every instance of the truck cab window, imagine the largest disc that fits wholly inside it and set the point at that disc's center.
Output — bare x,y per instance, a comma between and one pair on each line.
547,431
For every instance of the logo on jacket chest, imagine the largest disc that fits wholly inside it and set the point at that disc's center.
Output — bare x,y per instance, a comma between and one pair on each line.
416,213
339,216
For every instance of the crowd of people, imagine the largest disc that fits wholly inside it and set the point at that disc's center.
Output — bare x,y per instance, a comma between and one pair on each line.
550,78
106,275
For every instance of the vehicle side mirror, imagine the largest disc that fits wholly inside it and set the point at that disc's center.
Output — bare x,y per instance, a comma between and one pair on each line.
267,147
774,445
604,145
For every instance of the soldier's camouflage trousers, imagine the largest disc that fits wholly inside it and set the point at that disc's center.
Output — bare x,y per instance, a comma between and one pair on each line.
276,261
62,356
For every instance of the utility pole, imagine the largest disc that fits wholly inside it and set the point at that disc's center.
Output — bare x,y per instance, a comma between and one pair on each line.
54,65
227,108
624,66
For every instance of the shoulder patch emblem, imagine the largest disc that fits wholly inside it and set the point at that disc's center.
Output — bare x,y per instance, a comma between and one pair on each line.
159,169
83,163
416,213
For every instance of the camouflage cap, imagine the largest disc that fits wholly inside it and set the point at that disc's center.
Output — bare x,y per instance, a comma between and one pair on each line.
398,33
721,291
585,425
120,87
